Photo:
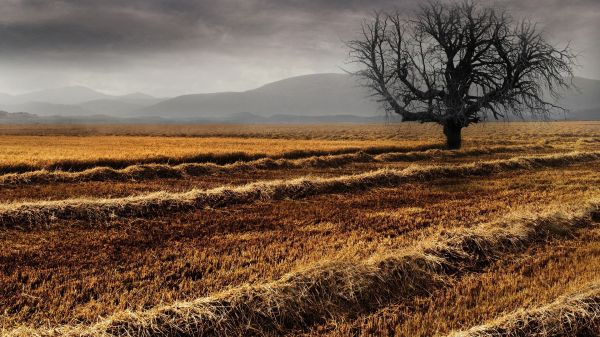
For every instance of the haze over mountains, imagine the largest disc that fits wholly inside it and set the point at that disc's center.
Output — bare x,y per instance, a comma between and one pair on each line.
75,101
309,98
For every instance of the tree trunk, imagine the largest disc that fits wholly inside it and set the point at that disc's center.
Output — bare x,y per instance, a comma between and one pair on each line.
453,137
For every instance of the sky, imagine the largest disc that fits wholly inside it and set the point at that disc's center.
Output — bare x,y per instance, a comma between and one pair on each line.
172,47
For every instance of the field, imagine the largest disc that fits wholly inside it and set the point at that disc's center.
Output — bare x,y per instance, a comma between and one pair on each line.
316,230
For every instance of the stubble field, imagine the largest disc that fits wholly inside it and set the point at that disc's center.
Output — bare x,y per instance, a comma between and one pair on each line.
320,230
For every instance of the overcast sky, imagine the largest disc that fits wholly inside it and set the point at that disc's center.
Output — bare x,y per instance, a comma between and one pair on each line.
170,47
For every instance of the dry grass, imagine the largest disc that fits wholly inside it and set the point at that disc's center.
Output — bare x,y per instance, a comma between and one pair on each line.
569,316
514,131
339,288
70,272
158,171
513,283
302,234
69,153
32,214
27,148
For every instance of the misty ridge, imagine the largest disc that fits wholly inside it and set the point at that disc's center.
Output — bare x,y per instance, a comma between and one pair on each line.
316,98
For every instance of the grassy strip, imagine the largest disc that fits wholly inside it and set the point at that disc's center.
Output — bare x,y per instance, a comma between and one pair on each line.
569,316
157,171
215,158
339,289
32,214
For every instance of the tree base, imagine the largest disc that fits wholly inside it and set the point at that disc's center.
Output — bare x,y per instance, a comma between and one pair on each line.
453,136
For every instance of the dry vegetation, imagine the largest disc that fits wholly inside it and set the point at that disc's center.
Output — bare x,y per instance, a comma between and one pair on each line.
28,153
191,168
569,315
339,230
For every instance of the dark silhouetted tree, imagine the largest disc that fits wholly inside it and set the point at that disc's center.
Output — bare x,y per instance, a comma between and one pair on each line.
457,64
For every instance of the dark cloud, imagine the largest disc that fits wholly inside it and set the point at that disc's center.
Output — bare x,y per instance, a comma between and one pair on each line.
145,25
84,38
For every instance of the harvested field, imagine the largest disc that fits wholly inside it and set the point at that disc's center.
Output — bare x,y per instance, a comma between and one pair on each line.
31,214
29,153
328,230
574,314
191,169
338,288
524,131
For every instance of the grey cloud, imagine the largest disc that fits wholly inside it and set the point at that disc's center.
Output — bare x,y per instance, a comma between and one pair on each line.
147,25
160,24
84,38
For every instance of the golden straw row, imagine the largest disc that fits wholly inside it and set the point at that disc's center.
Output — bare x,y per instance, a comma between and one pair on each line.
572,315
157,171
32,214
216,158
336,289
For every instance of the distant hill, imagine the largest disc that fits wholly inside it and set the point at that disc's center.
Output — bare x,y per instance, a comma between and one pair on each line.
76,101
250,118
303,99
310,95
139,99
28,118
111,107
66,95
324,95
48,109
584,101
16,117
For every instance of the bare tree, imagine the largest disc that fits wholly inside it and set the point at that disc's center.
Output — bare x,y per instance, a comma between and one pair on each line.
458,64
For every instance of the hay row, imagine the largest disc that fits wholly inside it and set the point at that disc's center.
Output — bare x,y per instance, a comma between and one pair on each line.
339,289
32,214
158,171
569,316
76,165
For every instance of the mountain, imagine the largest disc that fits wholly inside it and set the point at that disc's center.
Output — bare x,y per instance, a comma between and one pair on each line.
75,101
250,118
136,96
324,95
139,99
584,100
66,95
28,118
309,95
316,98
48,109
111,107
18,117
